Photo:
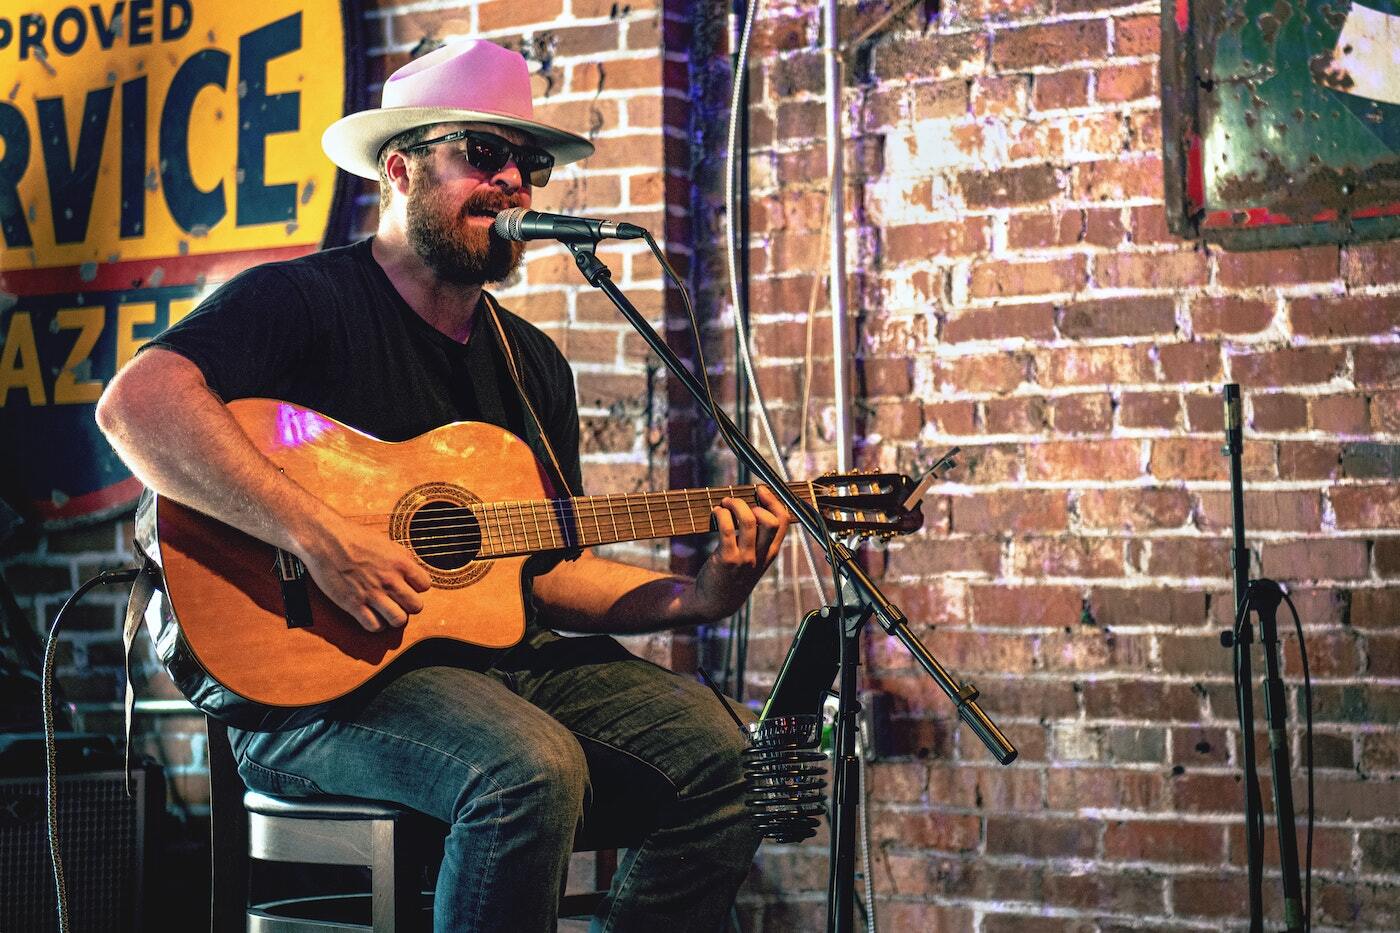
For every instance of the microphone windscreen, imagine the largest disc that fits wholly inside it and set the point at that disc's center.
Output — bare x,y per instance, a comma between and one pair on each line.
507,225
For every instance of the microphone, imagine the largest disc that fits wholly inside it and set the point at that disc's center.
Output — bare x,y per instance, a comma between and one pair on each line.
518,224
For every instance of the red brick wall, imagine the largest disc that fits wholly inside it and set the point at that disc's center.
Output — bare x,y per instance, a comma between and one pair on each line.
1017,294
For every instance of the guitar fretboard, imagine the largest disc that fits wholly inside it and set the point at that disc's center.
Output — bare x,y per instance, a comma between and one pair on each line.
505,529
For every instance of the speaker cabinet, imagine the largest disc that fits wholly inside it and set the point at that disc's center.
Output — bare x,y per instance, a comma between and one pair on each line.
104,839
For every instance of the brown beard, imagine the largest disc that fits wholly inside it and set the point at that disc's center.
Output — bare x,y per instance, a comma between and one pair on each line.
458,252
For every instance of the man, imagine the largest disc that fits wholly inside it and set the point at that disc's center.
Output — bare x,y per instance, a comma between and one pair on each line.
395,336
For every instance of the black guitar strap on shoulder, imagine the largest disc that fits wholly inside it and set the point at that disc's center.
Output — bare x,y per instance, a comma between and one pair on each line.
533,423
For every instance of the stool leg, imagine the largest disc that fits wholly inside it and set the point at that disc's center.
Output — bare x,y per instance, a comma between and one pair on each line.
384,877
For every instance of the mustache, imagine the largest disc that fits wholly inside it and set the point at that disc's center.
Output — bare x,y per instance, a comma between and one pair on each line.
490,201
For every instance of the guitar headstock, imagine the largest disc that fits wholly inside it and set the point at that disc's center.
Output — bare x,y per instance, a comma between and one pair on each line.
871,504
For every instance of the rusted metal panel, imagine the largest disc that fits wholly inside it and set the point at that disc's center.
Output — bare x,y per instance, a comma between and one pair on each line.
1282,120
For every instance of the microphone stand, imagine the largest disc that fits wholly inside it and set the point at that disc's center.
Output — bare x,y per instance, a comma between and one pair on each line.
865,601
1261,597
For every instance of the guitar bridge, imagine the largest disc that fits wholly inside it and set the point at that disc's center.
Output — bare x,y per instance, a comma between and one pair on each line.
296,604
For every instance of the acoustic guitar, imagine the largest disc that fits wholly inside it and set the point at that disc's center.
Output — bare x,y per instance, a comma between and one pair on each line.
472,504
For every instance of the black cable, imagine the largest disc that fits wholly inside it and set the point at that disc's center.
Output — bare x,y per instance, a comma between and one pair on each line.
1307,702
60,880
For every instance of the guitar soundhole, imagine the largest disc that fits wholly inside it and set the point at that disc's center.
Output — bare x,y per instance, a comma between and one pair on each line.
444,535
437,521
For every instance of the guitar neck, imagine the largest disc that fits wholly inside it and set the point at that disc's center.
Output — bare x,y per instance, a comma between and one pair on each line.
513,528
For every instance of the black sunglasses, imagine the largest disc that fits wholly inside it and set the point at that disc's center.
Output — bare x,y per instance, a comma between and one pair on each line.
488,152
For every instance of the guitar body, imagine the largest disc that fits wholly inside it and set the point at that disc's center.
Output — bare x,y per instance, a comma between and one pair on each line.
227,592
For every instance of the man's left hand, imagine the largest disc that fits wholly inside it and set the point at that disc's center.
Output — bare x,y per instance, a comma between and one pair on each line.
749,538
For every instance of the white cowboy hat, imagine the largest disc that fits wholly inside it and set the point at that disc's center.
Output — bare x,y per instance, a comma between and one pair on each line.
472,81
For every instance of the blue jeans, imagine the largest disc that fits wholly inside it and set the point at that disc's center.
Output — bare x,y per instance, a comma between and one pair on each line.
520,758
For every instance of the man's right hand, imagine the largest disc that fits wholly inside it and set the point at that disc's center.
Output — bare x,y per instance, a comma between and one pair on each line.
373,578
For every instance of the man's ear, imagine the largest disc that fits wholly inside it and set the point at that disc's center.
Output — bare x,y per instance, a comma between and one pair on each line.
396,169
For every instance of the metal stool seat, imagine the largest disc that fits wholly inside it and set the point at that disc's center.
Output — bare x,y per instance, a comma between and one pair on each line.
398,846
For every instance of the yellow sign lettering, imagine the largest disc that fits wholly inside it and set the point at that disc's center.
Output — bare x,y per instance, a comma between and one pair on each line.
19,361
68,389
129,317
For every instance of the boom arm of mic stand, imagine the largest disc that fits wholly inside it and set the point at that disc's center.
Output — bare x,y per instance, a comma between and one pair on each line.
892,620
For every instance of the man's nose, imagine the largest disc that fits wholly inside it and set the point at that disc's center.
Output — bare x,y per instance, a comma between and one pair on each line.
508,179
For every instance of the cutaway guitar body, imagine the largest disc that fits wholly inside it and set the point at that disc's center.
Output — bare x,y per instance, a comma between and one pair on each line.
471,503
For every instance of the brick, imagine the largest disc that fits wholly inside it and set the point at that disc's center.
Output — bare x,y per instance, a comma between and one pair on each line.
991,463
1094,459
1385,411
1152,270
1230,315
1154,841
1134,509
1020,185
1345,316
1198,361
1085,413
1373,608
1316,559
1278,411
1277,267
984,11
918,242
1060,89
1290,366
1377,365
1140,699
1342,799
1042,838
951,417
1339,414
1188,557
1371,264
1041,229
1039,46
1137,35
1018,415
1148,224
1088,650
939,56
1271,510
1069,557
1033,322
1119,83
938,99
1117,179
1205,414
1181,458
1365,506
1000,96
995,372
1103,226
1308,460
1027,606
1149,410
1118,317
995,279
1110,365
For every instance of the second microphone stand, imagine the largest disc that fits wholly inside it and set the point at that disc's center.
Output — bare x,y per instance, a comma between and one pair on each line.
863,600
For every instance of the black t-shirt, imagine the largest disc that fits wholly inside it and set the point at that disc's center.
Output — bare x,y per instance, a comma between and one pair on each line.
329,332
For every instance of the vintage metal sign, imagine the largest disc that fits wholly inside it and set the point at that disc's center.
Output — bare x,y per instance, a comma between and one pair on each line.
149,149
1281,120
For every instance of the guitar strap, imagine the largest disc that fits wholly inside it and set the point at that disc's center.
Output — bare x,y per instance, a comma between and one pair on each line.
141,591
533,424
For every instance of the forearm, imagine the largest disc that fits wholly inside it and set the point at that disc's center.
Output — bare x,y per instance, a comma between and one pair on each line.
181,441
594,594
